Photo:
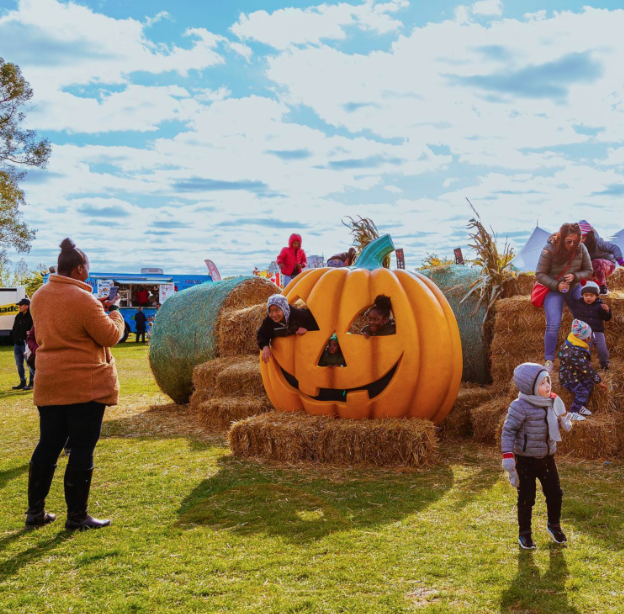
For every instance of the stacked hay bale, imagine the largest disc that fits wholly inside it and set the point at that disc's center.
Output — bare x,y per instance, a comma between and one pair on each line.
458,423
299,437
228,389
201,324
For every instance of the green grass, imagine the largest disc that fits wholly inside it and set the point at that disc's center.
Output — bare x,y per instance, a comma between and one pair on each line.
196,530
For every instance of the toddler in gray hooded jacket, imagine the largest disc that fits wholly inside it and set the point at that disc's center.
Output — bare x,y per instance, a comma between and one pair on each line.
529,442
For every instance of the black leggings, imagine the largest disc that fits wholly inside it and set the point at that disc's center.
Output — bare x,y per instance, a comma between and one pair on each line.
82,423
545,470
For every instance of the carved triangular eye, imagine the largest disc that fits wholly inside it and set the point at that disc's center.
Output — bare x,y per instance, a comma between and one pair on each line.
308,321
359,321
332,354
381,325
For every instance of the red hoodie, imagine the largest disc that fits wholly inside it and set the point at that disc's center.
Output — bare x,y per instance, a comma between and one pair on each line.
290,257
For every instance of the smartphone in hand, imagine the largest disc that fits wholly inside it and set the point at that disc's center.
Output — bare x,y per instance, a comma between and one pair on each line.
112,293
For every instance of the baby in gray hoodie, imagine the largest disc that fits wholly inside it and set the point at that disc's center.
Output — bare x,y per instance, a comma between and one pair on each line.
529,442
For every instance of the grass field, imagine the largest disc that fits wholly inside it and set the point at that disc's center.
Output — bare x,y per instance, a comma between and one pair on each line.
195,530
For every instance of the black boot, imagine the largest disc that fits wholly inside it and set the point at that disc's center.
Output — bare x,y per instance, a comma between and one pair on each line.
77,485
20,386
39,482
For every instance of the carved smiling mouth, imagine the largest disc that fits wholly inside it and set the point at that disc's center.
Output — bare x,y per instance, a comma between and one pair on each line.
336,394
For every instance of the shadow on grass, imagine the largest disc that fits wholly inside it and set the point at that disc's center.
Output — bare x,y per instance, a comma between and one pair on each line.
302,505
531,591
10,474
12,565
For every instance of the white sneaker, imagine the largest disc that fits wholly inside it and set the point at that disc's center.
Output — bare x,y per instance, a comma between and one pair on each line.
576,417
584,411
549,366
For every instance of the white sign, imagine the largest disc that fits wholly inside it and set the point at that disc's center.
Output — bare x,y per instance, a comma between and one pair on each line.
103,287
165,291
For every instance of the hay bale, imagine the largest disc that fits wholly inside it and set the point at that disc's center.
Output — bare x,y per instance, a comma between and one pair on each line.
600,436
198,397
455,282
278,436
458,424
240,376
186,329
299,437
521,286
237,330
616,281
218,413
486,418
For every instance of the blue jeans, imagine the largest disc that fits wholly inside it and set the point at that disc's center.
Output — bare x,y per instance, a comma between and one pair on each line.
581,392
286,280
553,307
18,352
82,423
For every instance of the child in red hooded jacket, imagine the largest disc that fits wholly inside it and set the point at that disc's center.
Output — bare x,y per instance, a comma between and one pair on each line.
292,259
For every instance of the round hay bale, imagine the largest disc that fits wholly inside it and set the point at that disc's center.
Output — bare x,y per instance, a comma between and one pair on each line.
455,282
299,437
186,330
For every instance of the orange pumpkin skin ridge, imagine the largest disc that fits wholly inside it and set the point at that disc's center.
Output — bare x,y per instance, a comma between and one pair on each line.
426,349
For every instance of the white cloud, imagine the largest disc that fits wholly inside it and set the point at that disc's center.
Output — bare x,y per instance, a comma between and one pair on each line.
290,26
487,7
162,15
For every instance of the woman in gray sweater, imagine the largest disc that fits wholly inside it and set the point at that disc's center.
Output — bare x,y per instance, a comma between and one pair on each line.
529,442
563,263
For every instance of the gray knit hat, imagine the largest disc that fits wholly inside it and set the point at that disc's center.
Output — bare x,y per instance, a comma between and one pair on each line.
528,376
592,287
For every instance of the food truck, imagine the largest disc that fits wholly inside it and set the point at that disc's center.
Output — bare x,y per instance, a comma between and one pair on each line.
149,289
9,297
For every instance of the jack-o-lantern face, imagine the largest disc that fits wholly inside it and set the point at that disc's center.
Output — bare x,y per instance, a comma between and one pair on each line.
413,373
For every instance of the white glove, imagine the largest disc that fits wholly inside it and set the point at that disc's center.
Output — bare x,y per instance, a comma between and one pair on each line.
509,465
566,423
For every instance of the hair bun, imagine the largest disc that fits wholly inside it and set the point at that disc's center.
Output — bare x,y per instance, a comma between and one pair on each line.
383,301
67,245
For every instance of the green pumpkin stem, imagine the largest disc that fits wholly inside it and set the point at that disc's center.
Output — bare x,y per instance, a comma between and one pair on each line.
372,256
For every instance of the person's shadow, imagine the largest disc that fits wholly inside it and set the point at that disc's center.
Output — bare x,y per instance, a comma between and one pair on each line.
530,591
303,505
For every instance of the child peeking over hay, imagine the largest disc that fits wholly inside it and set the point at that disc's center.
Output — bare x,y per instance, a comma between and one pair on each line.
529,442
589,308
380,323
332,356
575,371
282,320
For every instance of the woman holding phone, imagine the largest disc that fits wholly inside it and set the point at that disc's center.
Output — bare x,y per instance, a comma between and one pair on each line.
563,264
76,380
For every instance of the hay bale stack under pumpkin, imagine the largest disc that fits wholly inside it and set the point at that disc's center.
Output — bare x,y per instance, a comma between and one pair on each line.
486,418
186,331
299,437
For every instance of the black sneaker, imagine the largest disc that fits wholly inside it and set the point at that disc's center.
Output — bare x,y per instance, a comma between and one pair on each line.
21,386
604,290
557,534
526,542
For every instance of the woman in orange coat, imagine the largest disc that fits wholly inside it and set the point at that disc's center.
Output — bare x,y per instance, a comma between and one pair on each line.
76,380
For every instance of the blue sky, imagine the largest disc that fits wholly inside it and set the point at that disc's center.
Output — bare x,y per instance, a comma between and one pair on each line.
192,130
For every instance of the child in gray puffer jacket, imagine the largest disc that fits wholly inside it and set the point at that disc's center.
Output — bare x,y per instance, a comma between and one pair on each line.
529,442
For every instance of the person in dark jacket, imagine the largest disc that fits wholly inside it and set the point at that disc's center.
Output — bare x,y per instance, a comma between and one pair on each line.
604,254
140,321
22,324
575,371
380,322
344,259
563,264
529,442
589,308
332,356
282,320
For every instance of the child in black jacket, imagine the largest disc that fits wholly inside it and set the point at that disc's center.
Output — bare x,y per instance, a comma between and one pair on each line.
282,320
575,371
589,308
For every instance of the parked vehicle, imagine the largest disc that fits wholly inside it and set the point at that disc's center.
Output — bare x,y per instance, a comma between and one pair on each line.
9,297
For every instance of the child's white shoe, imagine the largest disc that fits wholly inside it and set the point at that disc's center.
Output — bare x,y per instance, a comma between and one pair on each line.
575,416
584,411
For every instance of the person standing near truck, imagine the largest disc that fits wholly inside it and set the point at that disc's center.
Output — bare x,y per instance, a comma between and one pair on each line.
23,323
140,320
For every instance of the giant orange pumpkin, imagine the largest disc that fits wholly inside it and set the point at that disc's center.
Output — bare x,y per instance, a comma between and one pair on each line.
424,358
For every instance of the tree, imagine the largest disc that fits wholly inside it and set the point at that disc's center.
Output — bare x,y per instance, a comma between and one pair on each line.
18,148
